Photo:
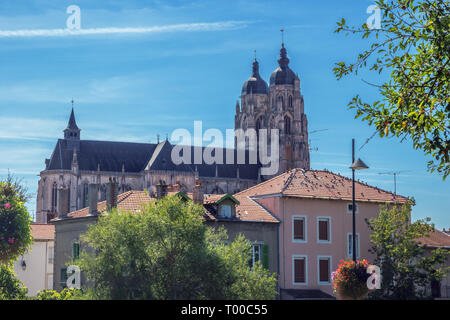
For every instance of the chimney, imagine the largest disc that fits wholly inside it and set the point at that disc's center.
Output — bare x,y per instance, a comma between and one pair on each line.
63,203
197,193
161,190
177,187
111,194
93,198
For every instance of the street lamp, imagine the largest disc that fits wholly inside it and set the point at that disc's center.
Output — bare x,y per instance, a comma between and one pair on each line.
356,165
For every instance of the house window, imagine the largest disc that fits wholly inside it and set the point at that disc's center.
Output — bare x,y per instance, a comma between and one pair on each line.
51,255
324,269
299,270
63,281
75,251
225,211
350,206
323,229
350,245
256,253
299,229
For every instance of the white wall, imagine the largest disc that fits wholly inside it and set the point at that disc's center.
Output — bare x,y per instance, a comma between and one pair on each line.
38,274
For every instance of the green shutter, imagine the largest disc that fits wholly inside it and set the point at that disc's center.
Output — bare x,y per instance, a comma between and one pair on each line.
265,256
76,251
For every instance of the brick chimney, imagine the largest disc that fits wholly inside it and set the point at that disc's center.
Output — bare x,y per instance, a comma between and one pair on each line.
111,194
63,202
93,198
197,193
161,190
177,187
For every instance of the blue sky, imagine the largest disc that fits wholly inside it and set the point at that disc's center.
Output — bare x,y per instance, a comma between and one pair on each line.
133,86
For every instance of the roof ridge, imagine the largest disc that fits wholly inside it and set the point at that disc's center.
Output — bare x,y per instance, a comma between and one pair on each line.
289,179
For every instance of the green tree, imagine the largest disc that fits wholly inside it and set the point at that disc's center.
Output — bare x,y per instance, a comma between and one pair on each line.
15,221
413,46
10,287
167,252
406,268
65,294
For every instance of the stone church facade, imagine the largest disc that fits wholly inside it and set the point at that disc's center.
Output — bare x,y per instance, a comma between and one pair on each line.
76,163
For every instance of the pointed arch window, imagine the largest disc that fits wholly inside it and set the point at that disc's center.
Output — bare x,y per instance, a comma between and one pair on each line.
54,196
291,103
287,125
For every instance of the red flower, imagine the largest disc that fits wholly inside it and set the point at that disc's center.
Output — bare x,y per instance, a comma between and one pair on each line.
11,240
7,205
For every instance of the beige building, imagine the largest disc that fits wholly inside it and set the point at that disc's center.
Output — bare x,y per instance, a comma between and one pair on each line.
35,267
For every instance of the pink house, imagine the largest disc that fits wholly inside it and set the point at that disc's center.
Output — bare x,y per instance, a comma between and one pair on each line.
315,233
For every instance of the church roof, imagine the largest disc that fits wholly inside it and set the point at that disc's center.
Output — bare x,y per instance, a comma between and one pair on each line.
72,123
283,74
136,157
255,84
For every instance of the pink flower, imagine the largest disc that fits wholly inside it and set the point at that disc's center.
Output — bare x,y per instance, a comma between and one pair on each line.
7,205
11,240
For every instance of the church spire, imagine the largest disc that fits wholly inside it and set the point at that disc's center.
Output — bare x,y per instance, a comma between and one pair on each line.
72,132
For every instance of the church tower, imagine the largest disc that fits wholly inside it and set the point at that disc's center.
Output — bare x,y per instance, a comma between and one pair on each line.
72,132
279,106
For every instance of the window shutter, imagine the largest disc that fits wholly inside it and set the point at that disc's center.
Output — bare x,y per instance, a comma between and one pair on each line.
299,229
76,251
324,268
323,230
265,256
299,270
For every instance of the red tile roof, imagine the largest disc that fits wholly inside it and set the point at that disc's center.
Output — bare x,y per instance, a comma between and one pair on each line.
320,184
436,239
247,210
42,231
129,201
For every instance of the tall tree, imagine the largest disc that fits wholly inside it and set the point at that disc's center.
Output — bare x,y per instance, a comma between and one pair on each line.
407,269
15,221
167,252
411,42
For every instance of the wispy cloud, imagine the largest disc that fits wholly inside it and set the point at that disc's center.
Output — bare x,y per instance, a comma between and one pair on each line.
186,27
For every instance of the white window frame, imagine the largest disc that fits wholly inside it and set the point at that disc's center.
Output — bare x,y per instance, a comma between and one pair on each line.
305,226
329,229
356,208
296,257
330,267
260,244
358,245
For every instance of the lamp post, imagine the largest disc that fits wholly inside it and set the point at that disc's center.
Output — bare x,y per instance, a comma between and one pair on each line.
356,165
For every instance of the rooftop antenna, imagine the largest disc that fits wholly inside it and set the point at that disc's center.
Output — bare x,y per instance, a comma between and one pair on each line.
157,137
394,173
315,148
282,37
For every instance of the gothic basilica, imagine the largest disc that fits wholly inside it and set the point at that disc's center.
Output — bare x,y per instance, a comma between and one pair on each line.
76,163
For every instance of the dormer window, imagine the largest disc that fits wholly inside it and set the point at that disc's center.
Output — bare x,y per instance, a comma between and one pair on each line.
226,206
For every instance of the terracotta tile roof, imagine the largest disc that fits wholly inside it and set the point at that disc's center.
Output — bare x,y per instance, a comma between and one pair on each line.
320,184
42,231
130,201
436,239
247,210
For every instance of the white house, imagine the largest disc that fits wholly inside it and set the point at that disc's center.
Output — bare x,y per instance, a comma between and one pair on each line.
35,267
